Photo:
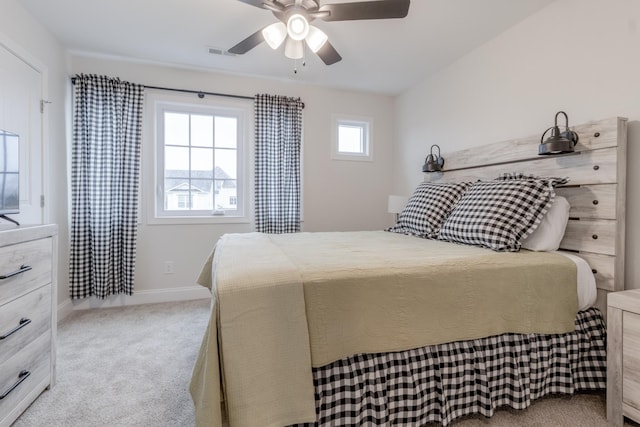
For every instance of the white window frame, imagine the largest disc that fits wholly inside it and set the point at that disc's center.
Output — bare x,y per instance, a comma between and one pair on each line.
157,104
365,124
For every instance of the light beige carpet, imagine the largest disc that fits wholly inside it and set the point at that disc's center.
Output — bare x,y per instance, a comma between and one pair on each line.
125,366
131,366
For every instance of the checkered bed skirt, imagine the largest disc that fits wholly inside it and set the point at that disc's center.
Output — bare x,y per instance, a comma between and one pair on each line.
443,382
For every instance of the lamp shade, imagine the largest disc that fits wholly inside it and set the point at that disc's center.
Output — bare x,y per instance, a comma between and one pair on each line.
316,38
275,34
294,49
396,203
557,143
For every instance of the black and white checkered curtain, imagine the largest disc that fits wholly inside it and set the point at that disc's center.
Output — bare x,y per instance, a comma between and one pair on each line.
105,169
278,133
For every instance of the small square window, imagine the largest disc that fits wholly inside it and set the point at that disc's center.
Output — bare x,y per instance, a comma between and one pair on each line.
351,138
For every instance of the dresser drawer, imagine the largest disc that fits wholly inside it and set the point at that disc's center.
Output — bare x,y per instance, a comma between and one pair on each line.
34,359
631,359
15,258
23,320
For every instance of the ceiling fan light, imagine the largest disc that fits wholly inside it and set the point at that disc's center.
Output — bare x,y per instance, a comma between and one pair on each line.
294,49
275,34
316,38
297,27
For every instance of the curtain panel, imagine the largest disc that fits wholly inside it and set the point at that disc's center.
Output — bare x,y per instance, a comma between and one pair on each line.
278,139
105,170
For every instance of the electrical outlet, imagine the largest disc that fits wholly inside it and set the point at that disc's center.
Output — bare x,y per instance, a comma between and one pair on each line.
168,267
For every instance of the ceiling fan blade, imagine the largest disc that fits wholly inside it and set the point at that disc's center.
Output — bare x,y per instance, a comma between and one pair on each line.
274,5
256,3
379,9
329,54
247,44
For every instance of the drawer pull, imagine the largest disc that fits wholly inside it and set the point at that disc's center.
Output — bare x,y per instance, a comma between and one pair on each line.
23,322
23,375
22,269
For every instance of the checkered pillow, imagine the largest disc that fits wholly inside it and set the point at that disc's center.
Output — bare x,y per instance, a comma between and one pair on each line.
499,214
427,208
553,181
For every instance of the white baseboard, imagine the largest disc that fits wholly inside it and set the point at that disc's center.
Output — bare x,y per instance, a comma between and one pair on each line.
154,296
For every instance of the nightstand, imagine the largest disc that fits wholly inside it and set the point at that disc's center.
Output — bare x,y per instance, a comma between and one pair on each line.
623,356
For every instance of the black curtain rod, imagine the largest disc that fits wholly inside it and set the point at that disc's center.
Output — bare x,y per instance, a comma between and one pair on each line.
200,93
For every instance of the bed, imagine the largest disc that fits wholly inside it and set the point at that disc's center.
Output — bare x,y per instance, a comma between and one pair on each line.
374,337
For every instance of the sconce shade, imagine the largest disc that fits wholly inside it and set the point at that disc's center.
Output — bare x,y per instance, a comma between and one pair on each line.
433,163
396,203
559,142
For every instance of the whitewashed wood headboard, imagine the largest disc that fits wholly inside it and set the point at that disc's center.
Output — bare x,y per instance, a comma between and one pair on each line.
596,189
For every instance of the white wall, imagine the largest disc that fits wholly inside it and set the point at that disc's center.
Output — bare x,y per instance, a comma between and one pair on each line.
18,26
580,56
337,195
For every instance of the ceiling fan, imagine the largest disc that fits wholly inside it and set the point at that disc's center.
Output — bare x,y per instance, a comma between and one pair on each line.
294,27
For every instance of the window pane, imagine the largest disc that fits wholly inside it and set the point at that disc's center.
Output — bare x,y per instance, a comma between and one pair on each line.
176,158
226,132
202,163
176,129
226,164
176,193
201,195
226,194
350,139
202,131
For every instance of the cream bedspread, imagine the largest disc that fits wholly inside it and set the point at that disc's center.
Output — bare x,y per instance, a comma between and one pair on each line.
285,303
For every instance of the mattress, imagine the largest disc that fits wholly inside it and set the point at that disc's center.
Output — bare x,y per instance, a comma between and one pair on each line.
585,281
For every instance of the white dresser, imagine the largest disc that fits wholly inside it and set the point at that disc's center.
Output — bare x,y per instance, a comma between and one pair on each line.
28,303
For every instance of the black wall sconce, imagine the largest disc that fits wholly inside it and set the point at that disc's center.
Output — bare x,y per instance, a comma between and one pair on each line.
433,163
558,142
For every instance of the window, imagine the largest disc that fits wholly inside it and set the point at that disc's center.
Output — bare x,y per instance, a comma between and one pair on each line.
200,162
351,138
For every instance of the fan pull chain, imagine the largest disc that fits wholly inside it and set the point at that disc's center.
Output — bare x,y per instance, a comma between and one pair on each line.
304,62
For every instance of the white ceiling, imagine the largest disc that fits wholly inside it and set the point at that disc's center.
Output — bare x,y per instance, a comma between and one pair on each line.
384,56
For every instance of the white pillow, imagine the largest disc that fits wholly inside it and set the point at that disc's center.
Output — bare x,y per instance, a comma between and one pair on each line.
549,233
